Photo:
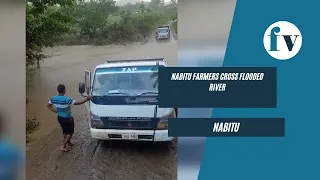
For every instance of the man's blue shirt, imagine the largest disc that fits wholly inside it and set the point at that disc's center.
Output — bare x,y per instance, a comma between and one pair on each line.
62,105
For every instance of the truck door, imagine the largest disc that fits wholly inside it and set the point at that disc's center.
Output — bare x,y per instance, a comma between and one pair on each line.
87,81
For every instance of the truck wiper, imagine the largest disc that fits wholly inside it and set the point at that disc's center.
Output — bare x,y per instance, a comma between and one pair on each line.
115,93
134,97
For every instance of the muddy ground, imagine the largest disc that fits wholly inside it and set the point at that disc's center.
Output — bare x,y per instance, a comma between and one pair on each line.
89,158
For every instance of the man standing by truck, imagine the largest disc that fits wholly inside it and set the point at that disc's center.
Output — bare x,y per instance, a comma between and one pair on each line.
61,105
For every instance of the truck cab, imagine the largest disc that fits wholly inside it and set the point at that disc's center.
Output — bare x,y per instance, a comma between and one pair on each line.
125,101
163,32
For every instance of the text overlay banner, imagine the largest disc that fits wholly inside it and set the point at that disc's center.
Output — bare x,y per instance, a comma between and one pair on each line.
220,87
227,127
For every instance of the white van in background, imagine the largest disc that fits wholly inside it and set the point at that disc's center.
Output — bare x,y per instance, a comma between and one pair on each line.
124,104
163,32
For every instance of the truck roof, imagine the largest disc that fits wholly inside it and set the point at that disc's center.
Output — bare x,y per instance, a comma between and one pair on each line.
163,27
133,62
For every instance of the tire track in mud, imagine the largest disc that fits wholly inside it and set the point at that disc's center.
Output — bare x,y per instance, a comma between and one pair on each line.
92,159
123,160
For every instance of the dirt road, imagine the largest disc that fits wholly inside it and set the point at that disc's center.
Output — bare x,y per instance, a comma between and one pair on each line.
91,159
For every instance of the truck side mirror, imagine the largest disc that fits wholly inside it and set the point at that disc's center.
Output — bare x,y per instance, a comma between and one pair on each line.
82,87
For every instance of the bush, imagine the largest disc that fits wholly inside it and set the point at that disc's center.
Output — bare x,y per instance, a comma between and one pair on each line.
98,22
127,27
175,26
31,124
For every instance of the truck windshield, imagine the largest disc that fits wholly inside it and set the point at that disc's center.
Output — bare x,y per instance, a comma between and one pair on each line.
125,81
162,30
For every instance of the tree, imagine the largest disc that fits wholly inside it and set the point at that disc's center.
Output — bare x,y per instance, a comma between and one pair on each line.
142,7
94,22
93,15
173,2
155,76
156,5
45,25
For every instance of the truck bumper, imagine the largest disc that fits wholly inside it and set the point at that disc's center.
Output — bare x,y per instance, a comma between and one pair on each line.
159,38
140,135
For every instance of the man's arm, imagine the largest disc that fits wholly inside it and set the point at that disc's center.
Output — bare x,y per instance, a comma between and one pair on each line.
51,107
88,98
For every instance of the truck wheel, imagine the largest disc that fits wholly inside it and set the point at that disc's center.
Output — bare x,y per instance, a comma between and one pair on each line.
168,145
172,145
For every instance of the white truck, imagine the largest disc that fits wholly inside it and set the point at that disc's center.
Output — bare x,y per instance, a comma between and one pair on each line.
163,32
124,104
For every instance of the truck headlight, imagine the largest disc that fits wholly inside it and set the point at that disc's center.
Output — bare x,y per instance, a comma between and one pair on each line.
163,123
96,121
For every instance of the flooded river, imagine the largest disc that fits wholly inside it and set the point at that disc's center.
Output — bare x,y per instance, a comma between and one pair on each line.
91,159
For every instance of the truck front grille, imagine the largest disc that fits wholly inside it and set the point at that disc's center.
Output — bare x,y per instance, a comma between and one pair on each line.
129,123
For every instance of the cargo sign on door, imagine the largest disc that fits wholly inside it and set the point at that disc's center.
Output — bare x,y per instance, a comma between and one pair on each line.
129,136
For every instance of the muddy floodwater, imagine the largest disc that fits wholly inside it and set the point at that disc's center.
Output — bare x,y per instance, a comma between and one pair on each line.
89,158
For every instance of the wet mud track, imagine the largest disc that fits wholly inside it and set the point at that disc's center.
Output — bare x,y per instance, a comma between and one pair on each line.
91,159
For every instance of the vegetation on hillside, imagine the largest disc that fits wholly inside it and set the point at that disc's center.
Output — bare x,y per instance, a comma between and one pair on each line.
96,22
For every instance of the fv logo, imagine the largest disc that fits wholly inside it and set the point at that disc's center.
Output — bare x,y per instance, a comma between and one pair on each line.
282,40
